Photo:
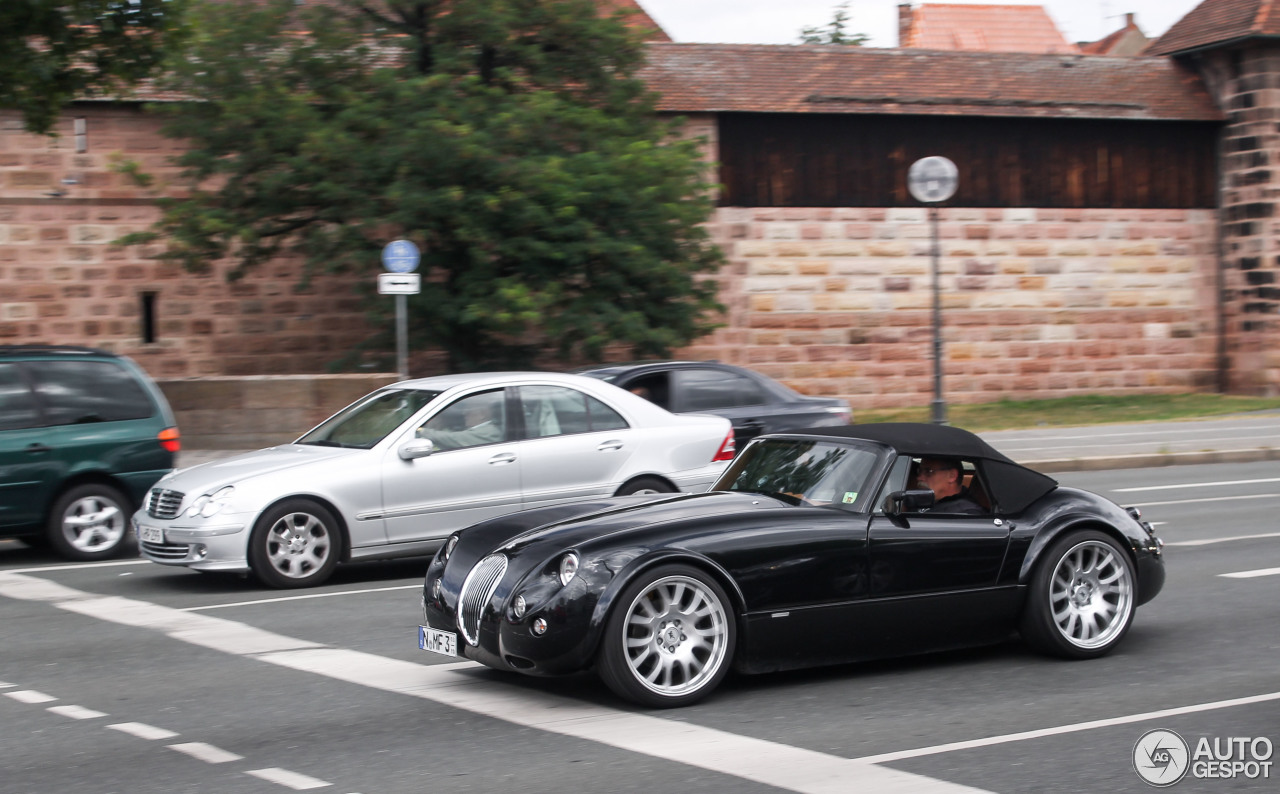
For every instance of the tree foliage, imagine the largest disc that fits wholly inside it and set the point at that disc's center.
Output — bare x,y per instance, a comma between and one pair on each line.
835,31
509,139
54,51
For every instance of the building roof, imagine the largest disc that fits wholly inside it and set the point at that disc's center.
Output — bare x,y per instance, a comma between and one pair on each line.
987,28
1218,22
764,78
1128,40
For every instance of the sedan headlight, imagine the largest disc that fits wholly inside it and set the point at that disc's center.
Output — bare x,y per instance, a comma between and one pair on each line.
208,505
568,568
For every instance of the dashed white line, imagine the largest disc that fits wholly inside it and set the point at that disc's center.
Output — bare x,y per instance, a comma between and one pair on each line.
1208,541
1205,499
77,712
143,731
206,752
301,597
30,696
1194,485
294,780
1252,574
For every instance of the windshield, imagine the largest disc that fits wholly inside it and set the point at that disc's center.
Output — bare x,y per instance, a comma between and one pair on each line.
363,424
803,471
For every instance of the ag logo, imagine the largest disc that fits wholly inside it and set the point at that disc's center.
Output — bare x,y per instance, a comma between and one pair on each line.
1161,758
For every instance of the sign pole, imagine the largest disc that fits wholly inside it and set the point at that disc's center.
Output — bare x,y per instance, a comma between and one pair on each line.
939,408
402,338
400,258
933,180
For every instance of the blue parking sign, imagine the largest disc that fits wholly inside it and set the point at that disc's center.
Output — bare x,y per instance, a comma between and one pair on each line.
400,256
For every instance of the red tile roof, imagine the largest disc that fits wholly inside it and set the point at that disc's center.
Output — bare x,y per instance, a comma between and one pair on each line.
989,28
763,78
1216,22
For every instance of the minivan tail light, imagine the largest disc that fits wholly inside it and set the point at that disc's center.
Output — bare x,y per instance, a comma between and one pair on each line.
170,439
727,448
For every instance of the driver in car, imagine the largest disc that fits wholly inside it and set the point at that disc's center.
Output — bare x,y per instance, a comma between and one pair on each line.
944,476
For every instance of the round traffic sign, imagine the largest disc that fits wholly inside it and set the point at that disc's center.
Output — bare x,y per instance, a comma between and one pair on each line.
933,179
400,256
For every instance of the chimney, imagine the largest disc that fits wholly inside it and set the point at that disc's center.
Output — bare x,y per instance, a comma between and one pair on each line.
905,21
1128,20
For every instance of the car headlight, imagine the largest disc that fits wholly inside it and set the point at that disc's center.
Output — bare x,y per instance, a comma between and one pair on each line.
448,548
568,568
519,607
208,505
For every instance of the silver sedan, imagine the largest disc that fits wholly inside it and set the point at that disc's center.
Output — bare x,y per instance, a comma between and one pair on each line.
392,474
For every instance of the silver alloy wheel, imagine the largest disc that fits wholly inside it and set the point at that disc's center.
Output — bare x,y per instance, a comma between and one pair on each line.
1091,594
676,635
645,491
93,524
298,544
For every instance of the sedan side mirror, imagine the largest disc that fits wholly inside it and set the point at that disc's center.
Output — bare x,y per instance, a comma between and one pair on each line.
900,502
417,448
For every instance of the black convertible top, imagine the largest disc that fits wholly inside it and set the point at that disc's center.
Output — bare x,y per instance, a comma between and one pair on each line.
1012,485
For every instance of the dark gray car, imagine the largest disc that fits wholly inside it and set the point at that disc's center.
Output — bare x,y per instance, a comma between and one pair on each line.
753,402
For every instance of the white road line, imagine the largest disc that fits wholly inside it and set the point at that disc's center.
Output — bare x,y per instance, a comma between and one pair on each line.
6,685
143,730
1207,541
206,752
77,712
30,696
302,597
1079,726
1194,485
79,565
1252,574
1206,499
284,777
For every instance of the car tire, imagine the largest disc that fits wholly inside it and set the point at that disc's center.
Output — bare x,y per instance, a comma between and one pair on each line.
645,485
296,543
670,639
89,522
1082,597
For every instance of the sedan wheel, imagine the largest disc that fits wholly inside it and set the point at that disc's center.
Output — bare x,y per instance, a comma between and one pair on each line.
1082,597
645,485
295,544
89,522
670,640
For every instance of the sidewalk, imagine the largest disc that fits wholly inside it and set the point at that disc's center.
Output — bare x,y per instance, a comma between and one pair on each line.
1242,438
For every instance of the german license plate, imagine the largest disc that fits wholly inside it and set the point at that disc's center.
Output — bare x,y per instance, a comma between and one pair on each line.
436,641
150,534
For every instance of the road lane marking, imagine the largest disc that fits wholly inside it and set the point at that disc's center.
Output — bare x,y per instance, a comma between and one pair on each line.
302,597
143,731
294,780
1252,574
30,696
1218,484
1073,728
1205,499
1207,541
206,752
79,565
77,712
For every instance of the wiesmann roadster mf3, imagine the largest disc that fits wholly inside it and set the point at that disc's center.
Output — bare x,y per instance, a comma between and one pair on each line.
813,548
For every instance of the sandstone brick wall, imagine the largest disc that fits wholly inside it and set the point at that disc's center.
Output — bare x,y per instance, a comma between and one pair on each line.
1036,303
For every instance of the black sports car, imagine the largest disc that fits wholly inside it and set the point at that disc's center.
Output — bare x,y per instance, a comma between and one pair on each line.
814,548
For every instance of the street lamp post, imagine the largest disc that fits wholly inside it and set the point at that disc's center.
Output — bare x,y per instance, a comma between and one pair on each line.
933,180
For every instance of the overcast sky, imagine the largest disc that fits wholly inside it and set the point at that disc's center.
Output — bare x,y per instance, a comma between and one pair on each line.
780,21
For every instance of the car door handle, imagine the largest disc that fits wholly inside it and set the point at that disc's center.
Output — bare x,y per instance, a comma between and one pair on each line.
502,458
38,447
609,446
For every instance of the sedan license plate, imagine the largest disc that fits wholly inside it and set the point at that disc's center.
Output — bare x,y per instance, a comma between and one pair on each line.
150,534
437,641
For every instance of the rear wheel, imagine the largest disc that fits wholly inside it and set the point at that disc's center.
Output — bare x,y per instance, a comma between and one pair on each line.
295,544
670,639
89,522
1081,600
645,485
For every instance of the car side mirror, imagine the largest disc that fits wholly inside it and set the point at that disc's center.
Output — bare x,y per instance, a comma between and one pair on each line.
417,448
900,502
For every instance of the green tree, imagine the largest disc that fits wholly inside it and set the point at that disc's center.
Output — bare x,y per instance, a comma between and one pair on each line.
53,51
835,31
510,139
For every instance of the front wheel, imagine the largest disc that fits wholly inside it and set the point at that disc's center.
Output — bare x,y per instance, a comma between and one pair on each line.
670,639
295,544
89,522
1081,599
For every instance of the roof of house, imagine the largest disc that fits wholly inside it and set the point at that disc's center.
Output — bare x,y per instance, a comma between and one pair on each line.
989,28
764,78
1128,40
1217,22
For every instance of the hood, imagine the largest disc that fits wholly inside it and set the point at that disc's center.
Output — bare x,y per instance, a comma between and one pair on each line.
238,468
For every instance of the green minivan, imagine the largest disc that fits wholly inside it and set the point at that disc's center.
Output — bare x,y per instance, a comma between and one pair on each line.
83,434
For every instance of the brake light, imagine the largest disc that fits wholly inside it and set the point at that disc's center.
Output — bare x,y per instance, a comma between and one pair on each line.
727,448
169,439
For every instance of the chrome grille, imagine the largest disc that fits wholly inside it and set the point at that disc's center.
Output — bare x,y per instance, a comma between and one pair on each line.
165,551
476,592
163,504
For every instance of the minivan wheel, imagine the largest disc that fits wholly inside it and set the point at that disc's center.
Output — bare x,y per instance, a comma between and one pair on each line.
89,522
